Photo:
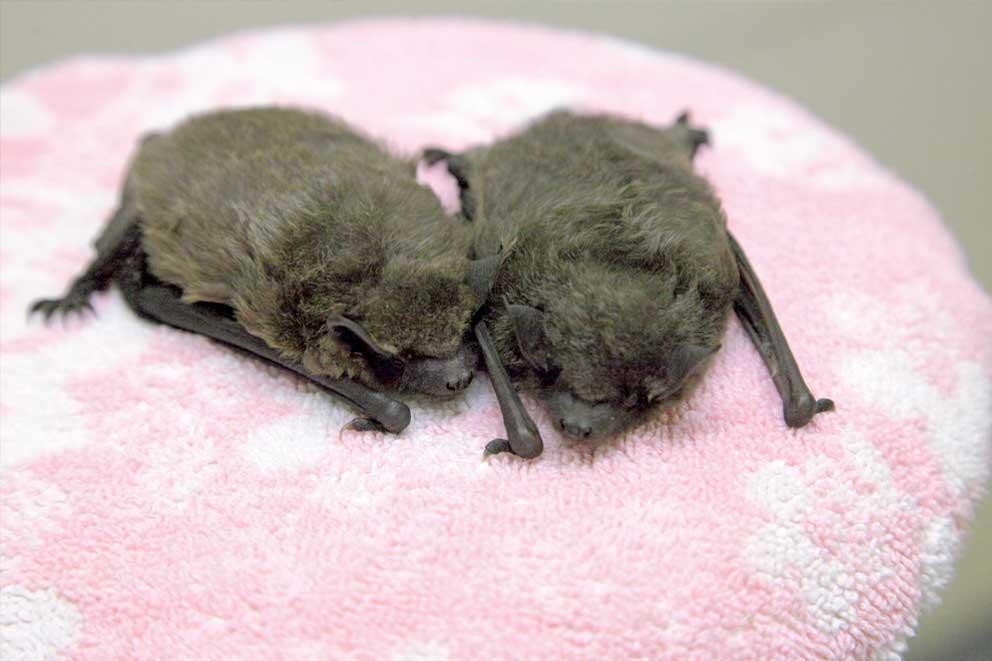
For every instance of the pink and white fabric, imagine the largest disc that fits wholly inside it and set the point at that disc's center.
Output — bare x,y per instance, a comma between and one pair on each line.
163,497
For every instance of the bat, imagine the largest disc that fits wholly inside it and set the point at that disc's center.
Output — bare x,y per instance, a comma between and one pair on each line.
290,235
618,273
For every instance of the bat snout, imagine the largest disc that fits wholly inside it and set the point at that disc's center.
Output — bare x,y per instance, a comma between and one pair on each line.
584,421
577,429
459,382
440,377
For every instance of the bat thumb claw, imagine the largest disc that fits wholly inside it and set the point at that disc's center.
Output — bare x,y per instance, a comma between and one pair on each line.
496,446
364,425
801,410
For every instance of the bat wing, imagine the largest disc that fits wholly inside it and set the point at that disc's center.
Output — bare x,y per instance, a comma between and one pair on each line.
523,438
755,312
159,302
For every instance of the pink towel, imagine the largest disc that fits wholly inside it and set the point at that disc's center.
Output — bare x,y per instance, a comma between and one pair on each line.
163,497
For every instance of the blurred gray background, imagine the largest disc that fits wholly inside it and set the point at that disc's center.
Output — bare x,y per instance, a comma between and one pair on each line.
908,81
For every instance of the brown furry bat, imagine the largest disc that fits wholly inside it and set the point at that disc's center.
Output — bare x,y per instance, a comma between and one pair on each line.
291,235
618,273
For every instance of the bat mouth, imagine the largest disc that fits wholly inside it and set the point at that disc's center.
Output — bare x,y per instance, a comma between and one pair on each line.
578,430
582,432
441,378
585,422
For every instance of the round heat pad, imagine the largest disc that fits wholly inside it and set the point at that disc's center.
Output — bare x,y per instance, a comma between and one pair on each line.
165,497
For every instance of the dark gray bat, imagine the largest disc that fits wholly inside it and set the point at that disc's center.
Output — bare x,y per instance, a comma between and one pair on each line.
294,237
618,273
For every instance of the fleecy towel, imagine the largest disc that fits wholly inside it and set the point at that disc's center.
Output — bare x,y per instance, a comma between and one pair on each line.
163,497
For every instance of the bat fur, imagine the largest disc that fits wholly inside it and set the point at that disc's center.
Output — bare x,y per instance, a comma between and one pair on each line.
618,273
322,244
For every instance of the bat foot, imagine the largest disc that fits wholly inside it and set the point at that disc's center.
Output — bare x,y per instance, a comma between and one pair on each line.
432,155
364,425
74,303
695,137
698,138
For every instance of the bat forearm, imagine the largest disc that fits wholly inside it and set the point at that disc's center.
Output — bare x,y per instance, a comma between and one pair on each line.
756,314
164,305
522,434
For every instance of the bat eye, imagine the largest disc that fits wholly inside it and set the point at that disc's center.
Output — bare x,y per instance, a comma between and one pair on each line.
387,369
549,376
630,401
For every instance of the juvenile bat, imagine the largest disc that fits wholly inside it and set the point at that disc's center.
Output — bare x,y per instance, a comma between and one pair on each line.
619,273
291,235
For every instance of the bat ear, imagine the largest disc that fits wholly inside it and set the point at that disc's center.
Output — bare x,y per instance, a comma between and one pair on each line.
657,388
687,358
481,276
343,325
528,328
684,360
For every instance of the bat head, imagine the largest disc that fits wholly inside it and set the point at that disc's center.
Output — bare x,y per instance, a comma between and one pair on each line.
414,324
412,327
608,347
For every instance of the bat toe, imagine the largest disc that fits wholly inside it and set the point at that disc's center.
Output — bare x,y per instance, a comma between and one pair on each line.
74,303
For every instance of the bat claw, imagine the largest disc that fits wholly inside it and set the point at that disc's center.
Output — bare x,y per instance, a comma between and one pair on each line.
364,425
800,411
693,137
43,306
526,450
497,446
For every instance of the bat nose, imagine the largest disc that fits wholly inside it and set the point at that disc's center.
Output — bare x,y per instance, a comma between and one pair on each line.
575,429
459,382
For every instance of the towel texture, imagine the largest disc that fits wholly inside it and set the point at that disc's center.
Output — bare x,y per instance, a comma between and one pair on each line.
163,497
